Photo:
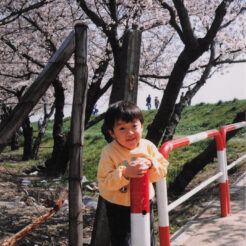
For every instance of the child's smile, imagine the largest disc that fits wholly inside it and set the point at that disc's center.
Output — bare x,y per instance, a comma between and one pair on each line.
127,134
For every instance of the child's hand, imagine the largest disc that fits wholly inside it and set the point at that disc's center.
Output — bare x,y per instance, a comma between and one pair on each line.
143,161
137,168
134,171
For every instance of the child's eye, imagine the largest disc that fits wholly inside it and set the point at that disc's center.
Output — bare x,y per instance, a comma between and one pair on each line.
122,128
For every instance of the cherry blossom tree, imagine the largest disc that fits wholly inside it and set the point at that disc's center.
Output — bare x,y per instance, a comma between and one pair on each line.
26,46
31,33
177,36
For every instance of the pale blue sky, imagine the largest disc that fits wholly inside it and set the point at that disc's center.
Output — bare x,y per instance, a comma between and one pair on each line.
224,87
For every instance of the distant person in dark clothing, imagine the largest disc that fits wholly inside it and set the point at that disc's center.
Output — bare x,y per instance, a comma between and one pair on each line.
40,121
95,110
182,96
157,102
148,102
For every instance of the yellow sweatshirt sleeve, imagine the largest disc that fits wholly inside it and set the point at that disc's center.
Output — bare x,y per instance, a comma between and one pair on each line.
110,176
158,169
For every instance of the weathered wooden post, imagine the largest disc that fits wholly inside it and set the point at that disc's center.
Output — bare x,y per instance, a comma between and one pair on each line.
77,135
36,91
124,89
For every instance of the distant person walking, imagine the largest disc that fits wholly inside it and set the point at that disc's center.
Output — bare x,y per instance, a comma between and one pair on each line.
40,121
148,102
182,96
95,110
157,102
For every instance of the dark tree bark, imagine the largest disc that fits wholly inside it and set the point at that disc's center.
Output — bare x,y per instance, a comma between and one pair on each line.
3,117
14,144
15,141
95,91
60,155
28,140
184,101
190,169
193,49
161,120
53,164
41,131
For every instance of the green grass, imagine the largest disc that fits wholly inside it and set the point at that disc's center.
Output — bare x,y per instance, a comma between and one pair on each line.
194,119
203,117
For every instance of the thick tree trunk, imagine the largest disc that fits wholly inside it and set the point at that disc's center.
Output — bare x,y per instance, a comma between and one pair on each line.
15,141
95,91
164,114
53,164
114,96
190,169
176,117
185,100
28,139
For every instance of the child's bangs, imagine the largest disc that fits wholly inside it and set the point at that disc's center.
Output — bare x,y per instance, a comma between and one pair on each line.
130,115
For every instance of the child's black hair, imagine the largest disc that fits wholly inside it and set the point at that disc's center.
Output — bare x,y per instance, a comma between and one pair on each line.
122,110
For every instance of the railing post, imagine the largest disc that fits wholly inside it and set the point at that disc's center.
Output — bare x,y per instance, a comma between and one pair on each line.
140,211
163,207
163,218
222,162
223,181
162,202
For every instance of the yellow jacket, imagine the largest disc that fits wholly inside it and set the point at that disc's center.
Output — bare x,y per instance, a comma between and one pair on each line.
113,186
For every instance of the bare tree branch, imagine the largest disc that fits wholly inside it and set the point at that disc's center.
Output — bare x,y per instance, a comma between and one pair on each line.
172,21
216,24
16,14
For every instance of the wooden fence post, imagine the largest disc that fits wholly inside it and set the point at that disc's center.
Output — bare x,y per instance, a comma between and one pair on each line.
130,65
77,136
36,91
124,89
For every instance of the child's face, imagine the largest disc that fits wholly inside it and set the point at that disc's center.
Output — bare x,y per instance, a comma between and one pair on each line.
127,134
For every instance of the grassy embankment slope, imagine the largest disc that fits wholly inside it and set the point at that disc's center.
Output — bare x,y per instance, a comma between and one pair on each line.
195,119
